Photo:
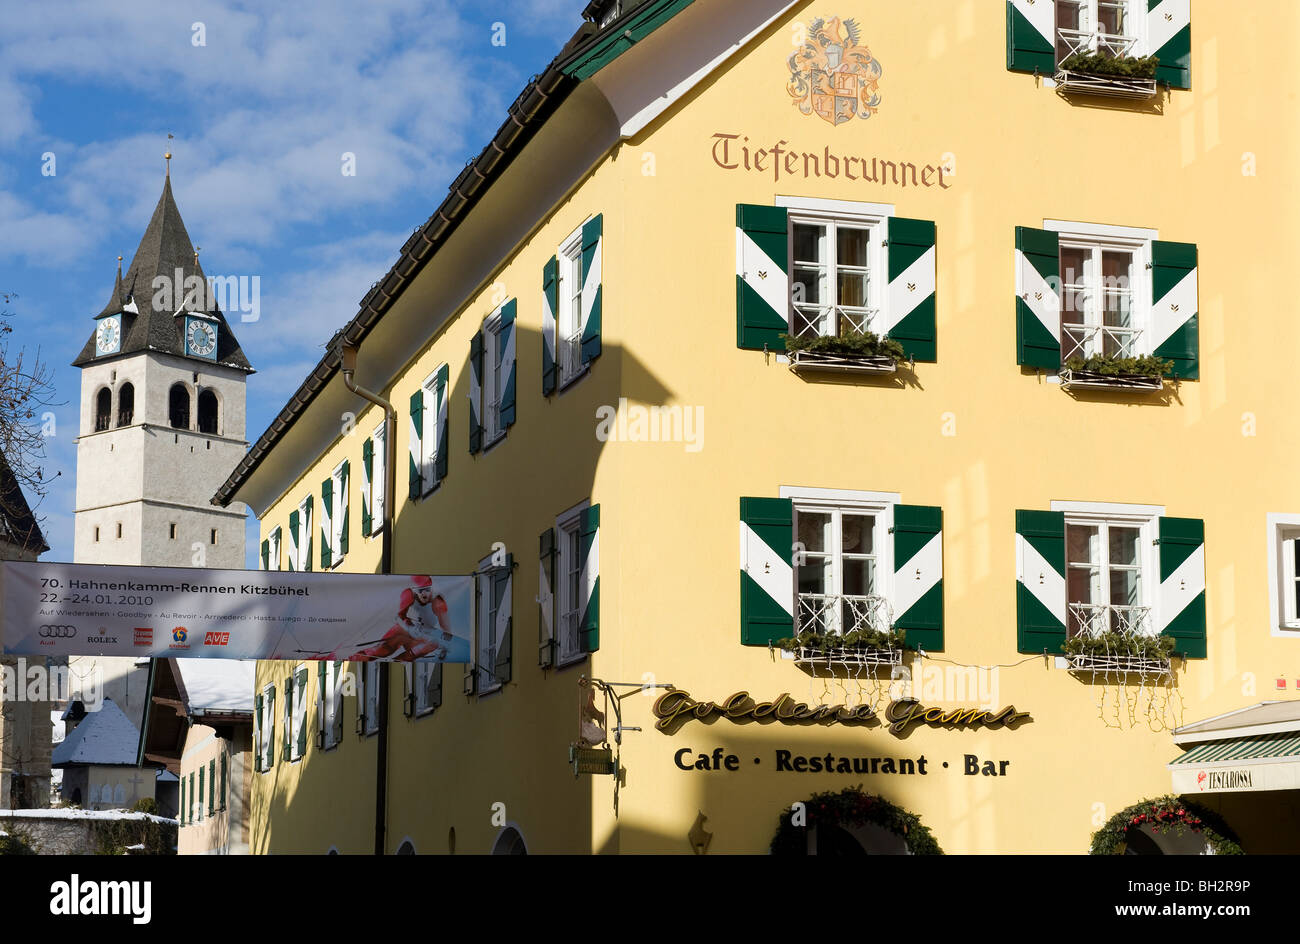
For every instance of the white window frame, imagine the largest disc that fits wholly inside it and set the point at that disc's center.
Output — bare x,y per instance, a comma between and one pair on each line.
305,524
378,479
566,597
337,515
832,214
331,703
266,745
429,439
490,389
837,502
417,680
1145,518
370,696
1097,238
568,314
1131,43
484,627
274,542
299,717
1283,619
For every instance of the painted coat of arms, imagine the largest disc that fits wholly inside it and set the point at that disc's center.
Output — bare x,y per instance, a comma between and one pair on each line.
832,75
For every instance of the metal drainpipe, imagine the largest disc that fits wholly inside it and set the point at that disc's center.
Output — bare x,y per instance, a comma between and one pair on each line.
348,356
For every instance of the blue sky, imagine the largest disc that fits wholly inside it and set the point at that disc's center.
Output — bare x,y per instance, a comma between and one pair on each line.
262,113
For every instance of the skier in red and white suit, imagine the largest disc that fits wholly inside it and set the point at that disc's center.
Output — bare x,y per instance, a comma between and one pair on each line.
421,628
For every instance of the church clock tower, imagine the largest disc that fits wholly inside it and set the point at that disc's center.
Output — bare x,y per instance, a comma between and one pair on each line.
162,422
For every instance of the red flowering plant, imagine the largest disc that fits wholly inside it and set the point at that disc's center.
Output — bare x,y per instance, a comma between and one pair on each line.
1169,815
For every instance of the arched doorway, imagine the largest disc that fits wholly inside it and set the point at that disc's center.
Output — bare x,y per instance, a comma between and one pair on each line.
510,842
851,823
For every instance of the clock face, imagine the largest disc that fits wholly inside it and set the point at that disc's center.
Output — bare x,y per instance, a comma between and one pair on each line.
108,335
200,338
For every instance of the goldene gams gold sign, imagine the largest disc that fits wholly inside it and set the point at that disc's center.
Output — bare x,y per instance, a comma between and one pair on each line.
676,707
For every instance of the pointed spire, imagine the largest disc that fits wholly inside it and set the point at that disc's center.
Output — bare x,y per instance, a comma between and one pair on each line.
117,301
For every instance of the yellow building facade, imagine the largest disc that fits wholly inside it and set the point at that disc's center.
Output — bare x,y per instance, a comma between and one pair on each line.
585,348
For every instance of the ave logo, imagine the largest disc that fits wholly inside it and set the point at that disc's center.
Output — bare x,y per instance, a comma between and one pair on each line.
216,639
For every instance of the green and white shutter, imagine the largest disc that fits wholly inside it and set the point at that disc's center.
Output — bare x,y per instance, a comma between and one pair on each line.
1038,299
257,737
442,387
766,570
909,316
502,582
1182,584
268,730
1040,581
1031,31
476,392
415,446
546,599
506,364
300,709
341,530
762,277
338,668
550,305
367,476
918,575
286,738
307,533
589,579
326,523
322,700
593,246
1174,307
293,540
266,555
1169,38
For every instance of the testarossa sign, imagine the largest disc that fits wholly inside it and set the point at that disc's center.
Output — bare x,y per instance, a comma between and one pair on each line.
179,612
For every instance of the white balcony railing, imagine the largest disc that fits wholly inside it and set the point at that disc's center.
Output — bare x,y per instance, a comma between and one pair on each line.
838,614
1092,620
1111,45
812,321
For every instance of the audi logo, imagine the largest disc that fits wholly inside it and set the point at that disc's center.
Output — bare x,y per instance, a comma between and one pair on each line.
58,632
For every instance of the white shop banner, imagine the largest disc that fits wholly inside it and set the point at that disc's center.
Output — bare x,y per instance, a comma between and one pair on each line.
179,612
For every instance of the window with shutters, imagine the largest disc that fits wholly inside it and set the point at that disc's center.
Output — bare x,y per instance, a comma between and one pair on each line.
338,513
266,728
298,718
330,711
1284,573
493,381
492,586
273,549
569,316
377,480
424,686
1095,27
303,536
368,723
429,438
568,587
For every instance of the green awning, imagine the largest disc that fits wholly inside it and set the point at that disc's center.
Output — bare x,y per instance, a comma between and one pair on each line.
1267,746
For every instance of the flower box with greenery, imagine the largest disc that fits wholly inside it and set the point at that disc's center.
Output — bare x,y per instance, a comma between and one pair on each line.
1114,76
1135,373
854,350
1120,652
857,647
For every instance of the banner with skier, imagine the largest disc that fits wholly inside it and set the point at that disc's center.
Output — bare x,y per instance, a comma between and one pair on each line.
173,612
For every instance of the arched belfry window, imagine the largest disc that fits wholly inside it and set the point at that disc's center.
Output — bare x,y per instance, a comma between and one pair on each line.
178,406
125,405
103,410
208,412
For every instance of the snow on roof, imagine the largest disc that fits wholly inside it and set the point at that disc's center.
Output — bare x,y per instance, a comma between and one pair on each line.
217,684
106,736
